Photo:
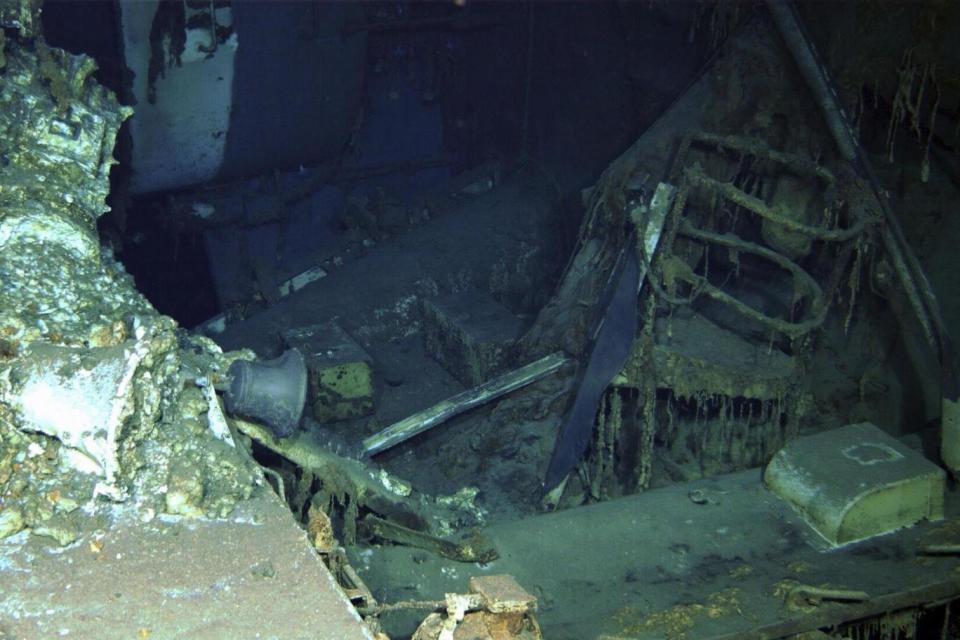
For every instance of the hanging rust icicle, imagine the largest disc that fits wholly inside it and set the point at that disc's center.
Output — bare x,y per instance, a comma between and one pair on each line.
916,82
854,283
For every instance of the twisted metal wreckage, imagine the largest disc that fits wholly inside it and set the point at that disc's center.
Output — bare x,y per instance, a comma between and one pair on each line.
106,404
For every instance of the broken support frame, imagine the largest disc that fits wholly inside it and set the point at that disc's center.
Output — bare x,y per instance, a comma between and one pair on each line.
912,278
819,298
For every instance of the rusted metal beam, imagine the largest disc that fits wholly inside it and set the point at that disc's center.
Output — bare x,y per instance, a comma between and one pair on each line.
446,409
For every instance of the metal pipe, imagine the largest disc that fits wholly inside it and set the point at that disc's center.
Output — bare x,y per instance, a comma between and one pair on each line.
446,409
815,74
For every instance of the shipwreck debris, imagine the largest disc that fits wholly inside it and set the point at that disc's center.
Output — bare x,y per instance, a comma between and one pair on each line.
613,337
497,608
273,392
912,279
804,597
90,374
356,491
443,411
856,482
470,334
340,373
474,548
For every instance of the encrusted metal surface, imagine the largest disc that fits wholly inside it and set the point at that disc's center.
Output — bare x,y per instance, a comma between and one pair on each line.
248,576
76,336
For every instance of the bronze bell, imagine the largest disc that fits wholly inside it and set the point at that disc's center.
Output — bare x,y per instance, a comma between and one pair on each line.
272,392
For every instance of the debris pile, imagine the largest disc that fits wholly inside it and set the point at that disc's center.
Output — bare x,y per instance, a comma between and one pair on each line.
97,398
